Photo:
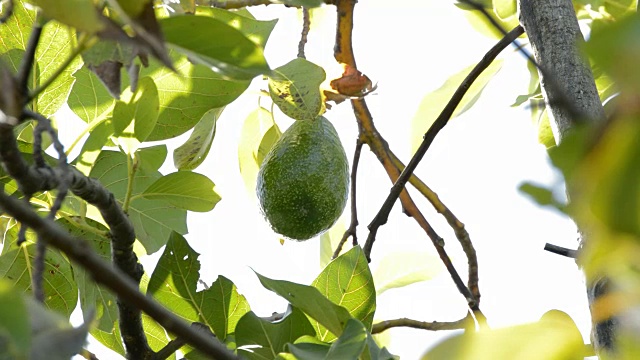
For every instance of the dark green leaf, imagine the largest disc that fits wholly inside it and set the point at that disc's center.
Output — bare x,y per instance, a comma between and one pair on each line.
311,301
270,337
231,54
295,88
347,281
185,190
192,153
351,343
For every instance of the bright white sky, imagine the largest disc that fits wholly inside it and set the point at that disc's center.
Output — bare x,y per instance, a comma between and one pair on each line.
475,165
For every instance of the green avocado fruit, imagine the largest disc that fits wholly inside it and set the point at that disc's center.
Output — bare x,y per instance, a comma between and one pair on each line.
303,182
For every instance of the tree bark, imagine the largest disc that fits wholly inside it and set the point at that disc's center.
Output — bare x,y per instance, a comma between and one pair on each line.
571,96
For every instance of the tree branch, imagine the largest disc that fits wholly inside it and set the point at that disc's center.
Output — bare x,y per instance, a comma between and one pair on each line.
306,26
424,325
369,135
383,215
80,252
352,230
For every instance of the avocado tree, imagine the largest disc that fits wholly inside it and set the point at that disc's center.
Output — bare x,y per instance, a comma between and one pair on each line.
79,215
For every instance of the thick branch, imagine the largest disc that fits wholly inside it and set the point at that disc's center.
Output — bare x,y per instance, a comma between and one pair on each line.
80,252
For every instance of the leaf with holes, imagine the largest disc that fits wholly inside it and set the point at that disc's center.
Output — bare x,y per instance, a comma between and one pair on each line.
192,153
16,265
295,88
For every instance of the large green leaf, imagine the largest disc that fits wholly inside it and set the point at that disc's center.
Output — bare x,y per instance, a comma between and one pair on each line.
192,153
257,31
89,99
308,299
54,47
186,95
99,133
16,265
175,278
398,269
347,281
174,283
433,103
295,88
223,307
271,338
231,53
259,133
153,220
351,343
554,337
185,190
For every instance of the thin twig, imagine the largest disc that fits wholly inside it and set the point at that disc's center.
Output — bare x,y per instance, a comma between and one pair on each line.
306,26
29,55
351,231
175,344
81,253
383,215
561,250
424,325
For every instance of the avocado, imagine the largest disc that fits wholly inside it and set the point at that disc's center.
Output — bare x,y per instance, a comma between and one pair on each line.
303,182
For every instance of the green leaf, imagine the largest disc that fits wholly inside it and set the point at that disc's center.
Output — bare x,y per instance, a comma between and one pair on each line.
88,98
398,269
258,133
374,352
99,134
185,190
295,88
93,296
620,8
135,116
152,158
271,338
554,337
80,14
347,281
541,195
257,31
223,307
351,343
16,265
309,351
504,8
186,95
153,220
329,241
55,46
231,54
192,153
15,332
311,301
432,104
175,278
